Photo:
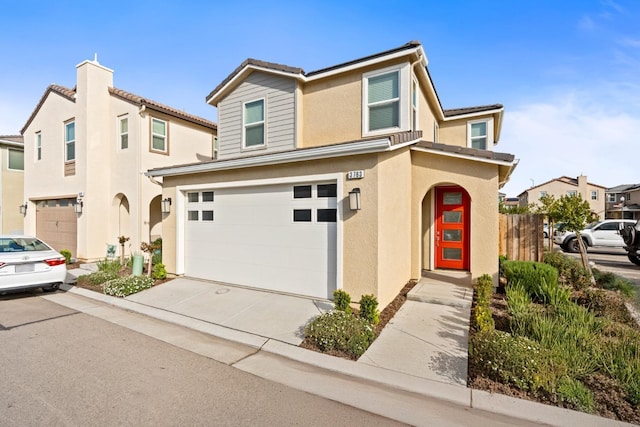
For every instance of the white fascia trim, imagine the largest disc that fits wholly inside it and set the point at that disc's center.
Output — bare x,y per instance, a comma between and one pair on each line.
11,143
404,144
241,75
463,156
478,114
359,65
363,147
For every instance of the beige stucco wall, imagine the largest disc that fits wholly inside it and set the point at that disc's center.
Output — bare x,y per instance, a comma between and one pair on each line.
557,189
480,180
12,182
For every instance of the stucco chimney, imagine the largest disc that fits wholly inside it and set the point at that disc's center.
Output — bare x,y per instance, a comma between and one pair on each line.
582,187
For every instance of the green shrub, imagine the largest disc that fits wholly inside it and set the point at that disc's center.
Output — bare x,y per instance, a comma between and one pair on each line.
123,286
159,272
100,277
109,265
67,255
482,312
611,281
341,331
342,299
515,360
570,271
540,280
576,394
369,309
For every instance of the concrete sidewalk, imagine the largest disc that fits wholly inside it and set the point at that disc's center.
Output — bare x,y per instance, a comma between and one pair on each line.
423,350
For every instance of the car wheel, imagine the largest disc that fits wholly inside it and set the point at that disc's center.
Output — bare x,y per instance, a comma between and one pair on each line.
634,258
52,288
573,245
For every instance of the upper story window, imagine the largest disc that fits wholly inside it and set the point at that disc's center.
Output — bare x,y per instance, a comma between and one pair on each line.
386,101
543,194
572,193
216,147
159,135
70,141
594,195
254,124
16,160
38,145
611,198
414,105
123,130
479,134
436,131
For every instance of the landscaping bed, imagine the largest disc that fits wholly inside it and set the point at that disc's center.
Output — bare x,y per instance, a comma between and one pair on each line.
116,279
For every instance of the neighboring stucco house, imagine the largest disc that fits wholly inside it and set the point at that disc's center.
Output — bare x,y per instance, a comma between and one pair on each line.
349,177
11,184
86,151
623,201
567,186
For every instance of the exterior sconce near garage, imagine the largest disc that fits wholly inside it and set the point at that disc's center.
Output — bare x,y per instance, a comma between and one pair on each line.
77,207
354,199
23,208
165,205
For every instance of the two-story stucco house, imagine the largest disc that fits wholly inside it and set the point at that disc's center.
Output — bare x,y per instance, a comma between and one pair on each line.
86,151
623,201
567,186
11,183
351,177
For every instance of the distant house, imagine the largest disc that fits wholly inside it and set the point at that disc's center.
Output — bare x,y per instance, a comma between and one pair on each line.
11,184
86,150
350,177
567,186
623,201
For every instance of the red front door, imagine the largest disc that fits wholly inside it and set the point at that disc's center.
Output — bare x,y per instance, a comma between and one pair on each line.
452,228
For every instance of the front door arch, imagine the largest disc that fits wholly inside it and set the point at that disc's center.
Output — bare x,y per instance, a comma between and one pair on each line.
452,225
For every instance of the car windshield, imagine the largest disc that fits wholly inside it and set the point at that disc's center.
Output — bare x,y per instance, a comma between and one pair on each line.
22,244
593,224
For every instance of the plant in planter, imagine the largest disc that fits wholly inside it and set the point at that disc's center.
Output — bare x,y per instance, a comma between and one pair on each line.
149,248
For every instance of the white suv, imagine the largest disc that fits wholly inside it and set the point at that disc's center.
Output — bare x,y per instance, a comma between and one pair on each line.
600,233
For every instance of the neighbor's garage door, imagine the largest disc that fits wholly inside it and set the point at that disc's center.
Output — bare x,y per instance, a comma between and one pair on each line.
56,224
276,237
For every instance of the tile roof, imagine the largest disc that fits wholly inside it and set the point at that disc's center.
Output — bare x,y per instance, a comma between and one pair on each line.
623,188
472,152
140,101
470,110
70,94
12,138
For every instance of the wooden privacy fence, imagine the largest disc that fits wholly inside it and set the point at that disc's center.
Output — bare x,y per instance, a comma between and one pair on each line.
521,237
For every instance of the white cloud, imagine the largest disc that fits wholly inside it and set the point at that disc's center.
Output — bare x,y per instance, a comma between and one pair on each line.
571,134
586,23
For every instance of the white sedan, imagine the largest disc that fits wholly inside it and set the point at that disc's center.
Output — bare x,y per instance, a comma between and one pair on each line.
27,262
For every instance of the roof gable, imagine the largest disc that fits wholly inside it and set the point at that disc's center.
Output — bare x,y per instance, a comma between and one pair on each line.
69,94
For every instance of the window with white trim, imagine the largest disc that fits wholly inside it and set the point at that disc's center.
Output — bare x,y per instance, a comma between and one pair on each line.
38,145
16,160
414,105
159,135
479,134
123,130
572,193
385,101
594,195
543,194
436,131
611,198
253,122
70,141
216,147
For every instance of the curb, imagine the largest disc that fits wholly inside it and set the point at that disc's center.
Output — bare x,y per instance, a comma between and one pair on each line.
459,395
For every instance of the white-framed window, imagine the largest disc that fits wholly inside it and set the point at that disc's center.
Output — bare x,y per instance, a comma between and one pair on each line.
611,198
70,141
414,104
254,124
123,131
385,100
38,145
572,193
543,193
159,135
216,147
16,160
480,134
436,131
594,194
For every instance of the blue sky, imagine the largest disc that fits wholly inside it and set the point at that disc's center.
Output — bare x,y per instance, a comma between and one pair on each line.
567,72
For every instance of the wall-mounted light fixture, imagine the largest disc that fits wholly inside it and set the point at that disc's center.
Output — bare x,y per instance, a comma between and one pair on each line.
165,205
77,207
23,208
354,199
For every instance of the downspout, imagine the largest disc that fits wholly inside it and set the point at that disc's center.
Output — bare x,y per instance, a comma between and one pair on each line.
141,113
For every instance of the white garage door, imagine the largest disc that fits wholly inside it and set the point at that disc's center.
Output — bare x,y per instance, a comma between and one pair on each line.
278,237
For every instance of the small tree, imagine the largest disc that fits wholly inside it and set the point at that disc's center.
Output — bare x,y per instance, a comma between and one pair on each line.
547,208
150,248
575,213
122,240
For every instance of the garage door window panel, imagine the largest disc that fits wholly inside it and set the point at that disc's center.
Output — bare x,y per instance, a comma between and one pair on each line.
302,192
193,215
207,215
302,215
327,190
207,196
326,215
193,197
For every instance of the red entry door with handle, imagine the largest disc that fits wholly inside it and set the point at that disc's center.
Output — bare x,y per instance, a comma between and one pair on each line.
452,228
